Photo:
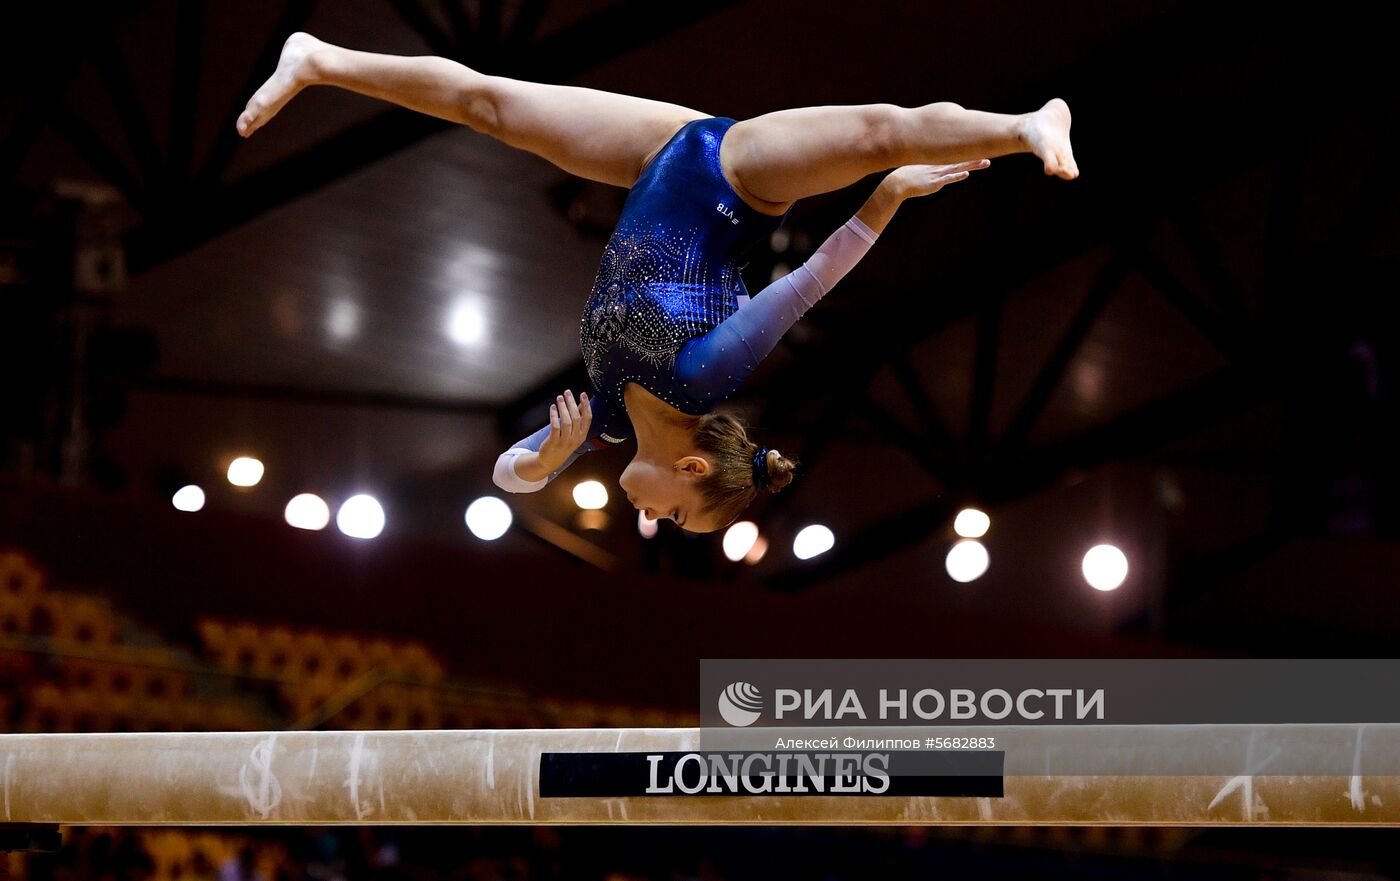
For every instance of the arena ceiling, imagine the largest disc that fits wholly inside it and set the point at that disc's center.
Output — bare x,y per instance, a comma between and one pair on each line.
1179,352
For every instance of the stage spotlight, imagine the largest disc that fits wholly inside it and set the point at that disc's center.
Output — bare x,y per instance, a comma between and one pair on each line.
188,498
590,495
812,541
343,320
739,540
488,518
760,547
245,471
645,525
1105,567
971,523
966,561
466,325
307,511
360,516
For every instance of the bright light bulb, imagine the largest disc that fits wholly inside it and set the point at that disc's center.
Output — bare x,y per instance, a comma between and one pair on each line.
488,518
739,539
245,471
307,511
343,320
760,547
360,516
188,498
1105,567
971,523
812,541
967,560
590,495
466,325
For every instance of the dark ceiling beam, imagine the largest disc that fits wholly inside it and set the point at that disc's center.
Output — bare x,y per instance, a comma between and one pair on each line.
33,118
488,31
220,208
1110,278
611,33
140,137
1095,209
95,152
226,138
1288,160
896,432
1146,428
1141,430
258,192
130,111
1374,197
1224,293
329,397
49,76
527,20
984,377
184,93
1106,211
1176,292
463,33
417,18
926,409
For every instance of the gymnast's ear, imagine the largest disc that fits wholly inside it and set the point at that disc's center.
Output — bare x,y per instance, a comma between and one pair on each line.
693,466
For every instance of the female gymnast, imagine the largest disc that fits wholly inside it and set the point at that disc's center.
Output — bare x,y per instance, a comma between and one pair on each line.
663,334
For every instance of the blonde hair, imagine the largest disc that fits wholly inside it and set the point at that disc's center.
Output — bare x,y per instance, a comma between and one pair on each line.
729,487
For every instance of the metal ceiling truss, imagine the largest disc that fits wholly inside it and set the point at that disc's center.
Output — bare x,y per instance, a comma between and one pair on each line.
184,200
994,470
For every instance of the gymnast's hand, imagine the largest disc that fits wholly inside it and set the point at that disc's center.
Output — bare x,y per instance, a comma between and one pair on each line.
911,181
568,427
908,182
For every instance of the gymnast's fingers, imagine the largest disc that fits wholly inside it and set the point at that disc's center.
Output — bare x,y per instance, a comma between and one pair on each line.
565,419
574,414
586,408
554,418
969,165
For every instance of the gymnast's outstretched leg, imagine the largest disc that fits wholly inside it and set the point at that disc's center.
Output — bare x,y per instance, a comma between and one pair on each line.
594,134
790,154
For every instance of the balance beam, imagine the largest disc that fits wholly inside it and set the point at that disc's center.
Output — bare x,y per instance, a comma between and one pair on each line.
493,777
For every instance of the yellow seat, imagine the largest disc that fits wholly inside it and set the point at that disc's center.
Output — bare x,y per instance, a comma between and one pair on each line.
19,575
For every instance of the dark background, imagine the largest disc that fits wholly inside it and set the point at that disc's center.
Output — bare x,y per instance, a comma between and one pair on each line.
1189,351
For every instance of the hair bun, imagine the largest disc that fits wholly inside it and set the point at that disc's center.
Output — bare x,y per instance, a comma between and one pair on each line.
780,470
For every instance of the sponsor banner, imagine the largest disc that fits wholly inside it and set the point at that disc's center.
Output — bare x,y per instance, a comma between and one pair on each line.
775,773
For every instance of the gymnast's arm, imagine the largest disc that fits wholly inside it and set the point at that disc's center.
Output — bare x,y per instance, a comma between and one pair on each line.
532,462
713,366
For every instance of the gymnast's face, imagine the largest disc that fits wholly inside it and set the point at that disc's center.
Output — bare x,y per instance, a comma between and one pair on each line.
669,492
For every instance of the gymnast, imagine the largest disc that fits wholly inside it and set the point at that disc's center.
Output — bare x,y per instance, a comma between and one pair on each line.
664,336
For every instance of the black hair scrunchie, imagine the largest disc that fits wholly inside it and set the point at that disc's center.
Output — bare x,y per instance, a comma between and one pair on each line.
760,468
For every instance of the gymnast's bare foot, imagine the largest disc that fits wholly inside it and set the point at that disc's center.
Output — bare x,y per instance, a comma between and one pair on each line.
1046,132
294,73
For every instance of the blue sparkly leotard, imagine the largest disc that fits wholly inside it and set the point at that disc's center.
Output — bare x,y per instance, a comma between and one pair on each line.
670,273
665,311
